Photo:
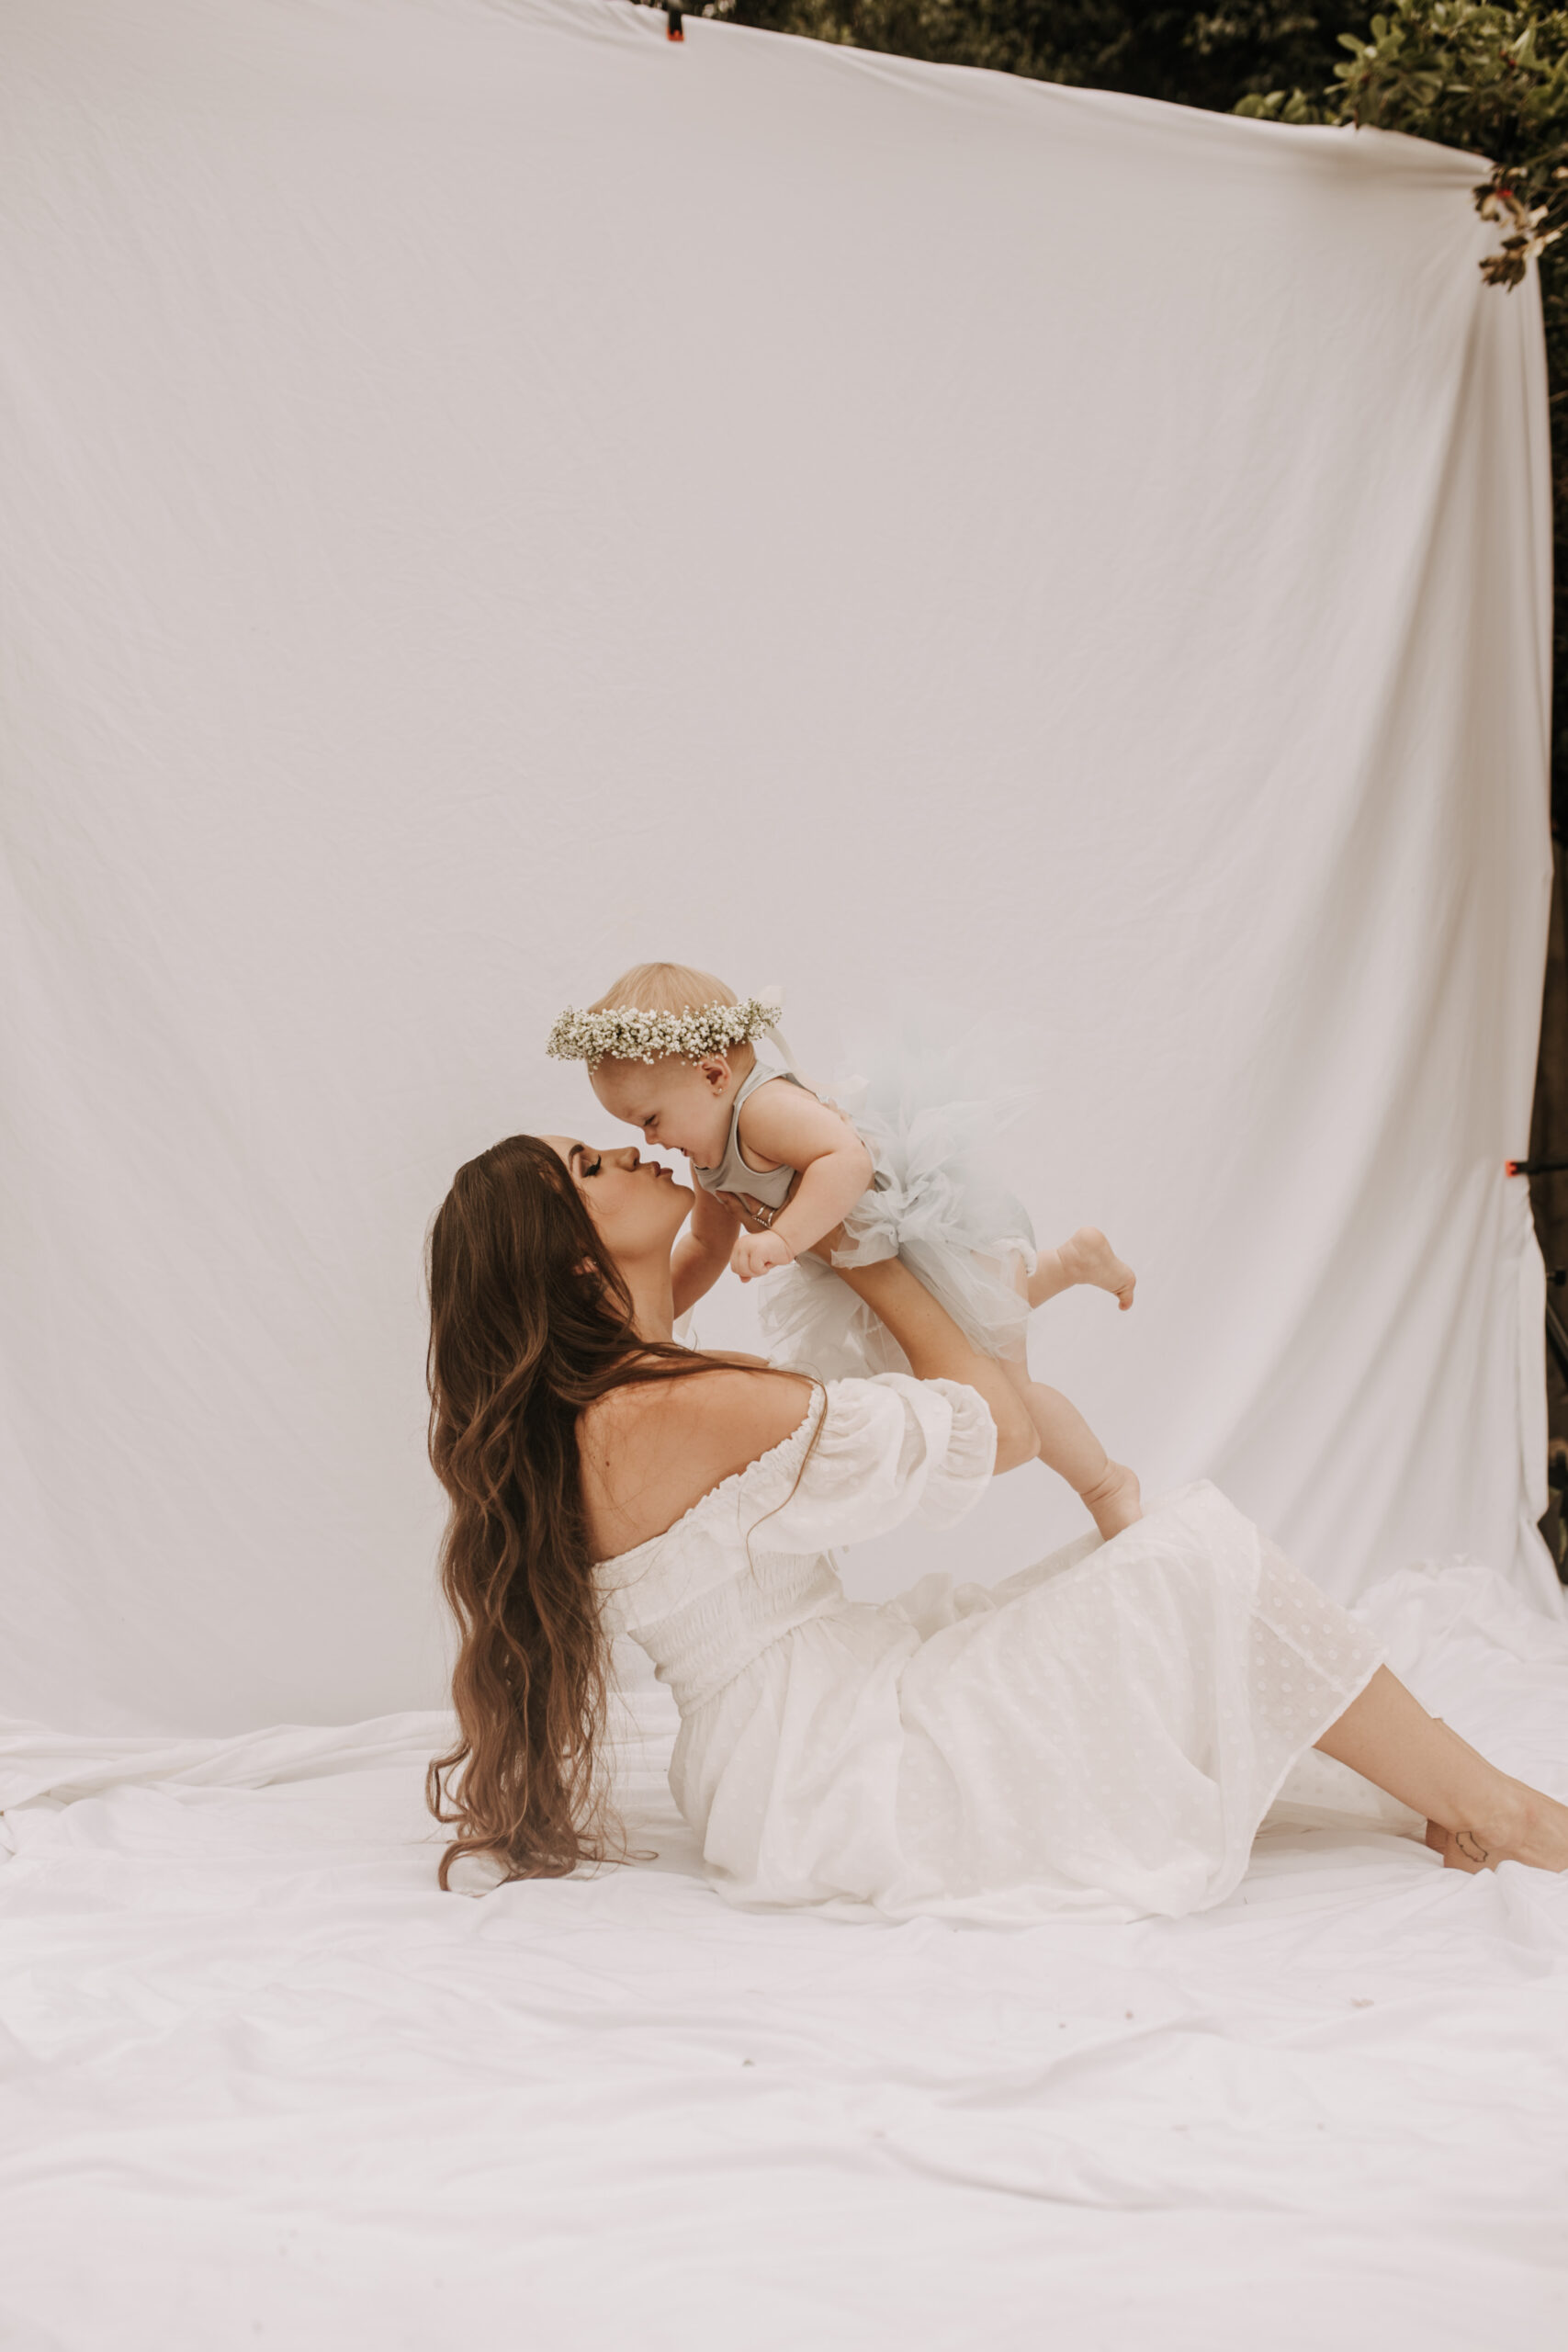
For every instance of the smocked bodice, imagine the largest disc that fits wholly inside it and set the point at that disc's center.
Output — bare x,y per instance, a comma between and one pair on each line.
748,1563
1097,1736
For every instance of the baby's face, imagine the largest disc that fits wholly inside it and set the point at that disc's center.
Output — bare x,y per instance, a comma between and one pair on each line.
684,1106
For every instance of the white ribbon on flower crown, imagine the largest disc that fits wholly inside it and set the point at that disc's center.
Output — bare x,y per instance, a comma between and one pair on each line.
773,995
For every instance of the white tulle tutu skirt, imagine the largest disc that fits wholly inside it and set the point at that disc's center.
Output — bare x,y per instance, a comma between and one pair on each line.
932,1119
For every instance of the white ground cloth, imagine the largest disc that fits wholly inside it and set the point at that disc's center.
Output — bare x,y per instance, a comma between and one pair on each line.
266,2085
486,495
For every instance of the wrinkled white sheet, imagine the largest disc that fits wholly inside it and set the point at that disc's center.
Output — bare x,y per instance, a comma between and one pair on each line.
265,2085
486,494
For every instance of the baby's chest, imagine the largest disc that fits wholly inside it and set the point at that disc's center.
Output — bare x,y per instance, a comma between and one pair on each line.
736,1176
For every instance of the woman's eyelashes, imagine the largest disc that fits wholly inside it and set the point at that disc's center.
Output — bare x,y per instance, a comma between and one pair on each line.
591,1167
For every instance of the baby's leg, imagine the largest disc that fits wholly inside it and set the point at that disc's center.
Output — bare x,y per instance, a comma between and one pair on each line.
1068,1446
1087,1258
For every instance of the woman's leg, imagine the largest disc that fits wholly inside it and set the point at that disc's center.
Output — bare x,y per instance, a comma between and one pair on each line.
1476,1816
1087,1258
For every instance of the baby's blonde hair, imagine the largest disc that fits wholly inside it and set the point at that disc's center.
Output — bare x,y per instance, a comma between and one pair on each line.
663,988
659,1009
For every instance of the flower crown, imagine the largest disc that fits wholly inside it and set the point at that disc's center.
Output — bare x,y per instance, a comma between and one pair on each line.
625,1035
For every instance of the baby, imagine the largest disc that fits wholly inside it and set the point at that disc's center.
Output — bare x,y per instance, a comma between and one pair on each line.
672,1050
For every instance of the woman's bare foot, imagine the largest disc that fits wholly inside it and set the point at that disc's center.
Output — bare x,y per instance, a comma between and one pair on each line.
1526,1827
1113,1501
1087,1258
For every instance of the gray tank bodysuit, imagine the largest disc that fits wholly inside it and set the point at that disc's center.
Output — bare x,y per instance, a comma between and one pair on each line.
771,1186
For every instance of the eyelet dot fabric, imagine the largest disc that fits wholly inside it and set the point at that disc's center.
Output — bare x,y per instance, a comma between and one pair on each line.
1099,1734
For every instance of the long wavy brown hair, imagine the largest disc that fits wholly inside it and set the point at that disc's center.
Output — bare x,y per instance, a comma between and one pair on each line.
530,1320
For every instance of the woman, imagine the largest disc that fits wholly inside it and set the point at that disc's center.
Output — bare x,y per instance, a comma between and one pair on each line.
1100,1737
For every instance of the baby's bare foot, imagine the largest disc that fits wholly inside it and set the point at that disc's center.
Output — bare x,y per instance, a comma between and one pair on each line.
1529,1829
1089,1258
1113,1501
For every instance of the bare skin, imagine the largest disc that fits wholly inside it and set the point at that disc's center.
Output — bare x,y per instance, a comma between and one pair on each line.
648,1455
687,1106
1476,1815
1085,1257
1108,1490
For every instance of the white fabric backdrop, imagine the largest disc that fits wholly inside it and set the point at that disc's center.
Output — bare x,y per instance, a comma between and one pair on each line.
488,494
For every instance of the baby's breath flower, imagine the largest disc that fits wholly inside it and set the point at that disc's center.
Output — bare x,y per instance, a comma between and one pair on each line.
625,1035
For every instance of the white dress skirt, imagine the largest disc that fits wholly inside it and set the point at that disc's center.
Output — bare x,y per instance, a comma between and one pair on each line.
1097,1736
931,1113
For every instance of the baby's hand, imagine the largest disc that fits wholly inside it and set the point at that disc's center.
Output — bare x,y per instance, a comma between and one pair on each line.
758,1253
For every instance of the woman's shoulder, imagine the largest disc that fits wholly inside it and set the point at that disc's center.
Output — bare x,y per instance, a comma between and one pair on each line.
724,1401
651,1450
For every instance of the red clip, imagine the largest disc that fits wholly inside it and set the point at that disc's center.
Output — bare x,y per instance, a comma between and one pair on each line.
673,22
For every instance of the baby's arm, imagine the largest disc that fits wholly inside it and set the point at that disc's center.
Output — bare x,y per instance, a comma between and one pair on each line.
787,1126
703,1252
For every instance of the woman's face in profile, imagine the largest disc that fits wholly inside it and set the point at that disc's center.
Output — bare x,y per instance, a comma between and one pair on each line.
636,1204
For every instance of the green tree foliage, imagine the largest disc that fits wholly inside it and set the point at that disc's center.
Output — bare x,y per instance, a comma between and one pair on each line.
1492,79
1197,57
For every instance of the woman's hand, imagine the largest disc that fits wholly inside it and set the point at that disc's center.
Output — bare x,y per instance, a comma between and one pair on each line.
754,1214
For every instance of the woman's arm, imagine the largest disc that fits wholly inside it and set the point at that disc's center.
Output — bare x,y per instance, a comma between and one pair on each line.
703,1252
935,1346
938,1349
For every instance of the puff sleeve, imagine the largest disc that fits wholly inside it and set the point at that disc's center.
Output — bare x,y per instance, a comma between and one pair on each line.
885,1452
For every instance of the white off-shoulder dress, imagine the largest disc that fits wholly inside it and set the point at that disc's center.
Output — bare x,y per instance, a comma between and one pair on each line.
1099,1735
